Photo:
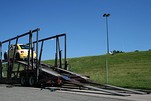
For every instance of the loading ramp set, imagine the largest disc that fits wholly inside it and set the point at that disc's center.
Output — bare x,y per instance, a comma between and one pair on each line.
36,73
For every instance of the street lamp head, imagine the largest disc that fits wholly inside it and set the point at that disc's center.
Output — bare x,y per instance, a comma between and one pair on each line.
106,15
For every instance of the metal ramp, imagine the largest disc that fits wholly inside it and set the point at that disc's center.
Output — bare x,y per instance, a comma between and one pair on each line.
81,82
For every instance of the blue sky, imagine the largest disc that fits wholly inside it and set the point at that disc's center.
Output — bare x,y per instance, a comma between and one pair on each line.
129,23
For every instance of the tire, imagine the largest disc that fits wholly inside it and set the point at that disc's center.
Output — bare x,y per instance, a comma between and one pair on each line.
32,80
5,56
23,81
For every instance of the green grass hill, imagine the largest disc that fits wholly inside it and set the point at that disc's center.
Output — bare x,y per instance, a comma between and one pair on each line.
132,69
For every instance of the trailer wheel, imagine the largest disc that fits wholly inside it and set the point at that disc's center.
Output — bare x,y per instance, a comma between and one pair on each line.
32,81
23,81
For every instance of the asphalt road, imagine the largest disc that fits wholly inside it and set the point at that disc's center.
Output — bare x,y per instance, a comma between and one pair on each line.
36,94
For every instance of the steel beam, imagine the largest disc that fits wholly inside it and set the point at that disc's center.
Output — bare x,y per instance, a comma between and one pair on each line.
0,60
14,54
41,50
37,63
21,35
29,50
65,52
52,37
8,60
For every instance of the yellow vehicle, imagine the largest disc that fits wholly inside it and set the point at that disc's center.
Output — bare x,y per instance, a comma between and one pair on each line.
21,52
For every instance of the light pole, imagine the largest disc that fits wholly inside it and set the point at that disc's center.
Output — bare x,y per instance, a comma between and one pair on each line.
107,39
107,35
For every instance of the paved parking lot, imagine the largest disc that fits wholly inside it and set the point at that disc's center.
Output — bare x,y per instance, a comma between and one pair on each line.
36,94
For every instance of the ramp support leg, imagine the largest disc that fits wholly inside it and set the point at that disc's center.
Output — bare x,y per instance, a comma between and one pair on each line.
0,60
37,63
65,52
9,62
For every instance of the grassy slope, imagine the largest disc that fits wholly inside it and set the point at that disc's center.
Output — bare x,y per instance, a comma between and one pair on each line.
125,69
